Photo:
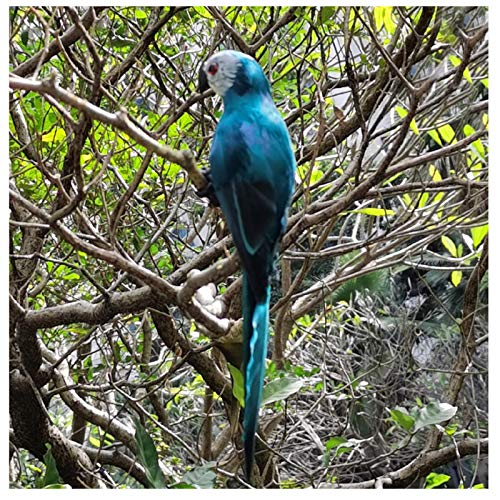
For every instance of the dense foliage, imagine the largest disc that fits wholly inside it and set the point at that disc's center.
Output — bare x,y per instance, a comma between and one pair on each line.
125,319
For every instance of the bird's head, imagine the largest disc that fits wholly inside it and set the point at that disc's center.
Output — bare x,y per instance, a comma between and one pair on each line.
232,70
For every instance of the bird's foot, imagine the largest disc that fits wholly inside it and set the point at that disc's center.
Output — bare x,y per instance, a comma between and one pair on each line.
208,191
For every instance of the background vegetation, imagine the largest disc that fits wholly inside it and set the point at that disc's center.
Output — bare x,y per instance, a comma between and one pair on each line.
124,285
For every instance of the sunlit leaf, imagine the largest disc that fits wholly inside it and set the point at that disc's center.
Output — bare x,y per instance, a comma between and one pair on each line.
413,127
378,14
447,133
449,244
433,480
435,174
407,199
478,233
57,134
456,277
389,24
477,145
435,137
375,212
424,198
71,276
402,112
467,75
94,441
353,21
454,60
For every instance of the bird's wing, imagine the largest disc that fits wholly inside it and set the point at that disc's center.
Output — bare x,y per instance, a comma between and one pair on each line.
254,211
244,188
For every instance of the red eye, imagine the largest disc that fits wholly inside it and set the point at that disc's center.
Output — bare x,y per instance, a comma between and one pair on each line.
213,68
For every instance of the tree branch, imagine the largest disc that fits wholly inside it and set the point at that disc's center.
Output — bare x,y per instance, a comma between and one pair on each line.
422,465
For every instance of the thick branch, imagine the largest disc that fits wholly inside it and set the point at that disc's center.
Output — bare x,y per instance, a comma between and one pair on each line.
422,465
91,314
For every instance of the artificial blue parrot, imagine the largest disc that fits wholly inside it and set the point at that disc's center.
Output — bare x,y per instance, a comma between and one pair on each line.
252,174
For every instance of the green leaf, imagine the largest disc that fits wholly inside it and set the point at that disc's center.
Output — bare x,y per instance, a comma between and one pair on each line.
434,413
456,61
434,480
334,442
281,388
340,444
389,24
401,417
201,477
435,174
424,198
55,135
51,476
71,276
238,384
119,42
456,278
378,14
25,35
447,133
407,199
326,13
449,245
414,127
182,486
94,441
344,448
375,212
451,429
353,21
477,145
316,175
478,233
479,486
435,137
148,456
467,75
413,124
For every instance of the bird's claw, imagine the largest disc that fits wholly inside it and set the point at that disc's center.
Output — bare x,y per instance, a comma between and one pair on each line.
208,191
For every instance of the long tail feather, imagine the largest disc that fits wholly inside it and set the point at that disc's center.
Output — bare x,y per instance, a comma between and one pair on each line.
255,337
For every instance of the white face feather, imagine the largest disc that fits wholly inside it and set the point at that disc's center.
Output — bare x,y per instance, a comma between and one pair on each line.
221,70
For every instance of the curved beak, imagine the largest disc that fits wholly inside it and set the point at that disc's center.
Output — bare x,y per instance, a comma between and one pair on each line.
202,81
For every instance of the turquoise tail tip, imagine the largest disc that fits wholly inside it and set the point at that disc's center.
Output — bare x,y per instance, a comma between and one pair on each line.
254,380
